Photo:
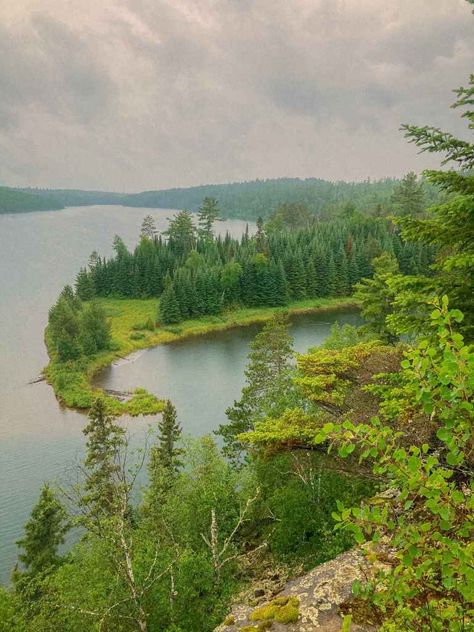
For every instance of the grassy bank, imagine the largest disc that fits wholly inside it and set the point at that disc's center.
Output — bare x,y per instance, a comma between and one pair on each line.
132,329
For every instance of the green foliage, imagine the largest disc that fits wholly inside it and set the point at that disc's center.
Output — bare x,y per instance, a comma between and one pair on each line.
268,382
198,275
17,201
377,296
281,610
450,225
208,214
44,533
408,196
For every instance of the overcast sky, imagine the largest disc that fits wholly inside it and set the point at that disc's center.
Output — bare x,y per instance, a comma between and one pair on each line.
142,94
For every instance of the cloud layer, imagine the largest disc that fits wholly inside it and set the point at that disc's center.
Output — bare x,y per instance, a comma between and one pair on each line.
141,94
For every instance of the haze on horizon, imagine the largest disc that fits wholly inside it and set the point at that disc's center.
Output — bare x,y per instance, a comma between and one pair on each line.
145,94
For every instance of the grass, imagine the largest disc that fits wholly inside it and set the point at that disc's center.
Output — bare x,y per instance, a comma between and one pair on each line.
132,329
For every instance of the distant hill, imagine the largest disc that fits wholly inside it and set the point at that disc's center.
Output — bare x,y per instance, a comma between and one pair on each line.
76,197
19,201
246,200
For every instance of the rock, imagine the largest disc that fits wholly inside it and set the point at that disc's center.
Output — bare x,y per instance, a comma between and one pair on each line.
310,603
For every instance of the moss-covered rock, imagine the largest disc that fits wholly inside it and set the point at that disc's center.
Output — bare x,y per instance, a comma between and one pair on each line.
282,609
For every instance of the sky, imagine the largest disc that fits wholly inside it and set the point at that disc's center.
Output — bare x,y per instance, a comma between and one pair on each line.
132,95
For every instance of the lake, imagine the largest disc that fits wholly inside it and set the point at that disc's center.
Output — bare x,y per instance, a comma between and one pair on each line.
39,441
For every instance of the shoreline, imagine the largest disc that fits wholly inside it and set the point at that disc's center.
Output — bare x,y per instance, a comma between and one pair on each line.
73,382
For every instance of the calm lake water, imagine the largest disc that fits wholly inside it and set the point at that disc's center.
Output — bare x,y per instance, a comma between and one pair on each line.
39,254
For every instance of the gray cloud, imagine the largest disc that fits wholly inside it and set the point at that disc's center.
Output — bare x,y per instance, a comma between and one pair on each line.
135,94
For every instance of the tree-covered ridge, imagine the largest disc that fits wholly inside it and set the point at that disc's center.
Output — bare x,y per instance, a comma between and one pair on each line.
260,198
16,201
196,273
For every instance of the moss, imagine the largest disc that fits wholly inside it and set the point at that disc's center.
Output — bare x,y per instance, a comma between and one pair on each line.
282,610
230,620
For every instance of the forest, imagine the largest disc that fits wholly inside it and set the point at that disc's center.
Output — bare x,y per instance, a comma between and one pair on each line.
259,198
16,201
365,441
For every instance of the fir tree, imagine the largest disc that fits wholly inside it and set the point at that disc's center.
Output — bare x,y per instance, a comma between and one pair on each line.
408,196
104,442
169,311
84,285
181,233
166,451
208,214
44,533
95,333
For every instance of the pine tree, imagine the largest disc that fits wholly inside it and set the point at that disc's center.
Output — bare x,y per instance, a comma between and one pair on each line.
148,228
104,442
44,533
208,214
269,385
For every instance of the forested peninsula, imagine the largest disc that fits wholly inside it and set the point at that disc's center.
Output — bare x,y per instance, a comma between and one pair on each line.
363,445
17,201
189,281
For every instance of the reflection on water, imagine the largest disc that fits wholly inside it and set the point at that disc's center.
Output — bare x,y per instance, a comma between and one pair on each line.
204,375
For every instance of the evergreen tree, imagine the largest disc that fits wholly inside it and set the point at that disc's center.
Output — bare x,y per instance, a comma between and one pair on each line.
208,214
169,311
377,296
148,228
450,226
260,237
181,233
268,382
95,333
166,453
85,289
408,196
104,442
64,328
44,533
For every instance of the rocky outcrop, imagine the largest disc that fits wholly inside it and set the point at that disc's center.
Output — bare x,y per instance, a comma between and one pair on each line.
310,603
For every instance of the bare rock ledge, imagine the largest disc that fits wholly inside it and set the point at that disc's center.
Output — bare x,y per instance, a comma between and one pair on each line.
320,593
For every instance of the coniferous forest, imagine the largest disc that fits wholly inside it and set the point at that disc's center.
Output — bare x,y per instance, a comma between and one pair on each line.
197,274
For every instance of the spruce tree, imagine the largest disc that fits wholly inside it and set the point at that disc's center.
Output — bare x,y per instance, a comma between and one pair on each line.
44,533
269,385
104,442
169,311
95,333
181,233
208,214
166,451
408,196
84,285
